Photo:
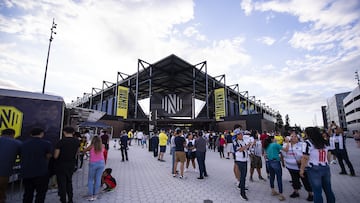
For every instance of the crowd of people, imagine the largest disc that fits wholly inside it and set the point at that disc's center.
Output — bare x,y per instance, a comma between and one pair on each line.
44,165
305,155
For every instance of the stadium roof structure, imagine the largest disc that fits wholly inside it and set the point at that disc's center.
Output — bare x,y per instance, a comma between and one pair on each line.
171,75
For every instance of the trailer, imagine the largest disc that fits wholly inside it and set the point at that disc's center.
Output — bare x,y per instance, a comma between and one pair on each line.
23,111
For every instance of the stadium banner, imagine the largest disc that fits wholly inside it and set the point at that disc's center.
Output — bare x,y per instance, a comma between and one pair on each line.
122,102
171,105
219,95
243,108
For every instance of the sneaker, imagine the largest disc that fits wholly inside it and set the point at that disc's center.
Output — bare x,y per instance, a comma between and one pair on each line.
281,198
174,175
200,178
261,178
186,170
333,162
244,197
274,193
294,195
343,173
310,198
181,177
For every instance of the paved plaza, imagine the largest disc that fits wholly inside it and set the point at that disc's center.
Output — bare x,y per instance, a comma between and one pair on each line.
144,179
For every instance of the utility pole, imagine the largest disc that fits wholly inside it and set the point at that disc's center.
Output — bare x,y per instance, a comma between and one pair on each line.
47,59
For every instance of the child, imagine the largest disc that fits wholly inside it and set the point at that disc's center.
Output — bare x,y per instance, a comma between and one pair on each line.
83,144
108,180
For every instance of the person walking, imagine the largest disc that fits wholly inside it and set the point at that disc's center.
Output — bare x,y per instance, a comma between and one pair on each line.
256,151
229,144
241,156
172,152
339,141
155,144
124,146
9,149
200,146
292,153
314,159
222,143
35,155
190,151
272,149
105,139
65,154
96,167
162,143
180,143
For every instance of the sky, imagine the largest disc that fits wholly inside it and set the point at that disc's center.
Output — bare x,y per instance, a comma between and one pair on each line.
291,54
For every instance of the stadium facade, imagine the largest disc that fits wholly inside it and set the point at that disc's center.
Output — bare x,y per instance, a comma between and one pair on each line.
173,88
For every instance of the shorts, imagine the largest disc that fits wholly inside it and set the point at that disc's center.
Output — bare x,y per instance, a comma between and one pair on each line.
256,161
190,155
162,148
229,147
180,156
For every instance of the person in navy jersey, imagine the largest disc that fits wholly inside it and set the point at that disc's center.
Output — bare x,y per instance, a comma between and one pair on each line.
314,159
35,155
65,158
9,149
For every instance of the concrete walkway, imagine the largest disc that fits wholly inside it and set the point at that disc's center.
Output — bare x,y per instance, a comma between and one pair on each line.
144,179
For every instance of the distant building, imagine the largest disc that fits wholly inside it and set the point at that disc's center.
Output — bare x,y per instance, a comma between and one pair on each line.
323,111
352,110
335,110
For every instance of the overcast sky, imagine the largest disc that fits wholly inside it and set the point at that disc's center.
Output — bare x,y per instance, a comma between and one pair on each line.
292,55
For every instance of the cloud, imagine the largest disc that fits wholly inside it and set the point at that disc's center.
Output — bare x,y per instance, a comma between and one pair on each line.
193,32
266,40
247,6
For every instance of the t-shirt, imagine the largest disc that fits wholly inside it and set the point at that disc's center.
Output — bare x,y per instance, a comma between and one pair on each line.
272,151
9,148
292,155
316,156
96,156
163,139
190,143
279,139
240,156
179,143
68,147
105,138
229,138
33,157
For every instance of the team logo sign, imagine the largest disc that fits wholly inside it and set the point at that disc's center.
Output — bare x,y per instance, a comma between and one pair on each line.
171,105
11,117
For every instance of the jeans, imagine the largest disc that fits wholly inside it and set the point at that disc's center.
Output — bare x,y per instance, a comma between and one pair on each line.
320,178
124,153
242,166
275,170
94,181
172,152
64,179
200,156
40,184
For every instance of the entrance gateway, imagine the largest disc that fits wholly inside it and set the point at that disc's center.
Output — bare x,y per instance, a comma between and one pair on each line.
173,88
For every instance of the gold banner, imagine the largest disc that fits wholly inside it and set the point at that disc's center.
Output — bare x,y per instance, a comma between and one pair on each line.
219,96
122,102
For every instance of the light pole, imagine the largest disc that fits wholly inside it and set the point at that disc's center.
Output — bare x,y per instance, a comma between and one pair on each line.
47,59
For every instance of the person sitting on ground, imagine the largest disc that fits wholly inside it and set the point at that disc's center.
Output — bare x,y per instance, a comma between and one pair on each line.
108,180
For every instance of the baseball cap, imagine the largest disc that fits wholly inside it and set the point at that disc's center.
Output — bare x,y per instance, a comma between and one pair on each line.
237,131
